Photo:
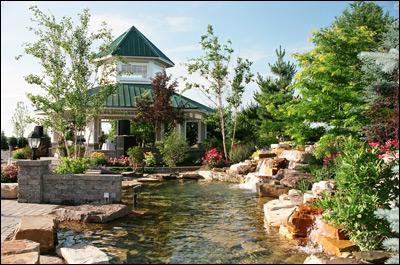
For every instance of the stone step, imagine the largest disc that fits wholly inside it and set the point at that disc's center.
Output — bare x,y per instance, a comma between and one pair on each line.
336,247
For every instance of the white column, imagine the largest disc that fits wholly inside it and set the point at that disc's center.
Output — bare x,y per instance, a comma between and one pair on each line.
199,130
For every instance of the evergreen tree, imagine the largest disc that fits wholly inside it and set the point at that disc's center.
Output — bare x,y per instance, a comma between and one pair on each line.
4,143
274,93
331,82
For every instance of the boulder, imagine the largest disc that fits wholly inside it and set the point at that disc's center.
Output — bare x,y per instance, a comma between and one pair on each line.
341,260
280,163
150,179
323,186
373,256
18,247
309,148
315,259
88,213
329,230
277,212
160,176
205,174
9,190
280,145
40,229
51,260
270,190
336,247
190,175
293,177
293,155
296,165
242,168
83,254
266,155
309,197
283,230
22,258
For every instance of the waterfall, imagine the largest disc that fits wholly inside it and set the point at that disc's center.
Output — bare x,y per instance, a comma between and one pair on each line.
250,182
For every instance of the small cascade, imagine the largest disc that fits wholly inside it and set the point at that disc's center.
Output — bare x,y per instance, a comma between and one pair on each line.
261,167
250,182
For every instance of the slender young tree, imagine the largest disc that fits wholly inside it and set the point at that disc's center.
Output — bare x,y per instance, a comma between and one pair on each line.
71,71
274,93
20,119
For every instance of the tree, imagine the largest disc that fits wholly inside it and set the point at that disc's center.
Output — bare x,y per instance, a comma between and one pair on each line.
71,71
241,78
381,68
274,94
157,108
4,143
20,119
330,82
213,67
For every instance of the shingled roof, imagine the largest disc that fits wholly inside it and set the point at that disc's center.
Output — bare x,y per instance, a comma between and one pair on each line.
133,43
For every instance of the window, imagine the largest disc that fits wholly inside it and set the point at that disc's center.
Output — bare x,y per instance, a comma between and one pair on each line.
134,70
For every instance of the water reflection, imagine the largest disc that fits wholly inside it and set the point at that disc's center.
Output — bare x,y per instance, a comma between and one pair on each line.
191,222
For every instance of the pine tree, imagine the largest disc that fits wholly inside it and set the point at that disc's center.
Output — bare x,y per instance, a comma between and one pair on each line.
274,93
4,143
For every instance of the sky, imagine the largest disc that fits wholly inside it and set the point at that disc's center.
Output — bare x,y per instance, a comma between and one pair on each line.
256,29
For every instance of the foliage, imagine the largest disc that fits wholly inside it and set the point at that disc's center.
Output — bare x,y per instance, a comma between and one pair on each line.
67,53
12,141
23,153
274,94
381,69
256,154
330,83
22,142
240,152
364,183
136,156
143,132
213,67
391,244
212,158
4,142
149,159
9,173
174,149
242,77
304,185
328,145
69,165
122,161
157,108
248,123
20,119
98,158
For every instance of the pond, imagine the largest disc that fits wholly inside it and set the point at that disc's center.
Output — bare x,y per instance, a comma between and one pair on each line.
191,222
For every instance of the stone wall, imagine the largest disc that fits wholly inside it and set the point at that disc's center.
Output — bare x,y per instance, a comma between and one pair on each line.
37,185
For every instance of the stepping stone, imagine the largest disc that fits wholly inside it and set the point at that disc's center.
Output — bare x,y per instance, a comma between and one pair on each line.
83,254
9,190
51,260
22,258
18,247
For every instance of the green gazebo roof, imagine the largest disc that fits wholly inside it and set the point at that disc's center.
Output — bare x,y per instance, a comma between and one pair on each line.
133,43
126,95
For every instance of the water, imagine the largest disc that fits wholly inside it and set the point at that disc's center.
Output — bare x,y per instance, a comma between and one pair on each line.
191,222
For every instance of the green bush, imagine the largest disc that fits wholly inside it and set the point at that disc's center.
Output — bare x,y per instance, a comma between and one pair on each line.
12,141
149,159
240,152
22,142
364,184
328,145
98,159
173,149
4,143
136,156
22,153
72,166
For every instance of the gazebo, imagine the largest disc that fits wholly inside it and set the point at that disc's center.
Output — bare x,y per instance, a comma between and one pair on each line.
141,61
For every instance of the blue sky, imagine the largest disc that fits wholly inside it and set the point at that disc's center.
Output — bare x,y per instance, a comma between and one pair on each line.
256,29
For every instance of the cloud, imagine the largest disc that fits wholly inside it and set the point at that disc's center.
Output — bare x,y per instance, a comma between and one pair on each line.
178,23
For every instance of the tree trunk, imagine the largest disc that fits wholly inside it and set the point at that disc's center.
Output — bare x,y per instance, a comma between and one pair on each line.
87,142
234,131
66,145
222,121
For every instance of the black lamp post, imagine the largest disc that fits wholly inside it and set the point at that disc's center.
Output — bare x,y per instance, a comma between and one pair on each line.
34,142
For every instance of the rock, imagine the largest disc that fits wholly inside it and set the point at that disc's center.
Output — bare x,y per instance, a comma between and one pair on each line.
314,259
150,179
130,183
242,168
18,247
323,186
40,229
294,192
159,176
280,163
22,258
83,254
373,256
293,177
309,148
88,213
283,230
341,260
190,175
336,247
302,220
309,197
128,174
296,165
284,146
266,155
9,190
51,260
293,155
278,151
270,190
329,230
206,174
277,212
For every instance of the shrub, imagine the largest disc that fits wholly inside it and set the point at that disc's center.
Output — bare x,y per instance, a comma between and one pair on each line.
149,159
98,158
304,185
256,154
9,173
173,149
329,145
12,141
4,143
136,156
213,158
364,182
23,153
22,142
240,152
72,166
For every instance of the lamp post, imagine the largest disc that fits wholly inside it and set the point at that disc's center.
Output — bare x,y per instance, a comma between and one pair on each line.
34,142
